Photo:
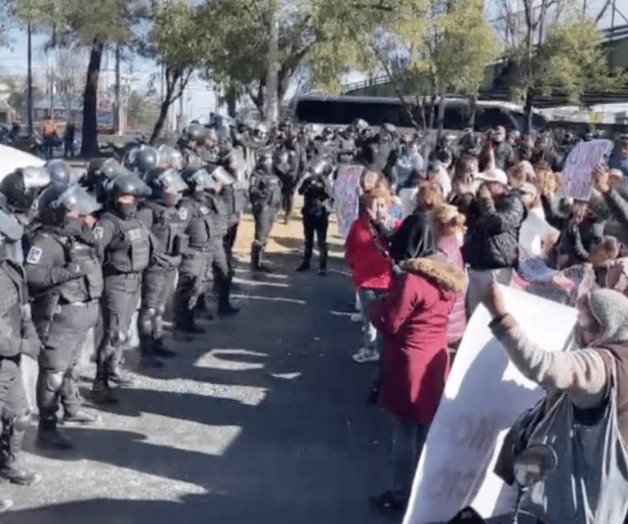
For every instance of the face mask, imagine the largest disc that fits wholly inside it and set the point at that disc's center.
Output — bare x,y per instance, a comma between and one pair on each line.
127,210
171,199
73,225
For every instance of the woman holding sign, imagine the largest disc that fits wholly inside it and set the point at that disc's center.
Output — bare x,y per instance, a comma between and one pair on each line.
414,319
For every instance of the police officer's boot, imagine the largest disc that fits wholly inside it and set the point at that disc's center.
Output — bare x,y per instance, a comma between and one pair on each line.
307,257
118,375
101,391
48,434
11,440
148,358
322,260
257,263
73,412
225,309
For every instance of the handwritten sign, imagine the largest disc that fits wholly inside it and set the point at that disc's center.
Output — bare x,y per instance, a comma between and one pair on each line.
579,166
483,397
346,197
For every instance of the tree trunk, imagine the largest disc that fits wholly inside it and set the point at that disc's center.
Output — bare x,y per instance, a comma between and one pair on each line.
528,112
89,146
161,119
231,97
440,120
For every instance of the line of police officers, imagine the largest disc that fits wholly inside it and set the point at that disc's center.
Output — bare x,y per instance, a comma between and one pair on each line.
155,229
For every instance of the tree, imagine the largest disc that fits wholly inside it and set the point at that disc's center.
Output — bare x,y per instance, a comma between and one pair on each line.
67,76
142,111
553,50
179,43
89,24
426,48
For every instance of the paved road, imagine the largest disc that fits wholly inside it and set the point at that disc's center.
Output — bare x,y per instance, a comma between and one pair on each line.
261,420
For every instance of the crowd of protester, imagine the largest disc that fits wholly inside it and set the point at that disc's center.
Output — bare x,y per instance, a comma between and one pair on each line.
490,210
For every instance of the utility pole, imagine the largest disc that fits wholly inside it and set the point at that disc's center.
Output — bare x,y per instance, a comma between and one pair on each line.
272,109
118,102
29,96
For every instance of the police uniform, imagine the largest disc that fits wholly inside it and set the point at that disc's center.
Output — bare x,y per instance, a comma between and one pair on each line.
17,336
126,247
195,258
317,193
167,224
265,195
66,282
289,163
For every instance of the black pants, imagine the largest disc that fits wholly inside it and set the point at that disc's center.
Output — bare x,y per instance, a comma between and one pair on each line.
191,284
264,220
59,359
157,291
119,301
315,224
229,242
287,197
12,396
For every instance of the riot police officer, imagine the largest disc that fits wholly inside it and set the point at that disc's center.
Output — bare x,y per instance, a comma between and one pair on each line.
235,196
161,216
218,262
317,192
65,280
100,172
265,196
345,145
194,211
189,142
21,189
289,163
170,157
125,242
209,150
17,337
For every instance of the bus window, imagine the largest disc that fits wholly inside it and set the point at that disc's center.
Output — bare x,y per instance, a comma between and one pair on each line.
456,117
490,117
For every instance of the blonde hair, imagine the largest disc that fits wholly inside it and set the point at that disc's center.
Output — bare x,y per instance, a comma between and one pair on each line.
379,193
447,219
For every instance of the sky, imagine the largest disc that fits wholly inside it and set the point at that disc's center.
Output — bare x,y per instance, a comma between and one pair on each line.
199,99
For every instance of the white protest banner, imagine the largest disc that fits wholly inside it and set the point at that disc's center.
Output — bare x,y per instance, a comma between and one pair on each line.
483,396
579,166
346,197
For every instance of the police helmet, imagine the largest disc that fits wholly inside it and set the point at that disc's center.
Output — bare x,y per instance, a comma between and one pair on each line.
60,172
128,184
22,187
359,124
320,167
143,159
170,156
165,180
198,179
194,133
222,176
56,201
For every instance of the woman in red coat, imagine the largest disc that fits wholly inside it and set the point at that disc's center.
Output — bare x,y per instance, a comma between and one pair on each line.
414,319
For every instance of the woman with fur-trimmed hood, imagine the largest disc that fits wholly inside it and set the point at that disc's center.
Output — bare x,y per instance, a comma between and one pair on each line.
414,319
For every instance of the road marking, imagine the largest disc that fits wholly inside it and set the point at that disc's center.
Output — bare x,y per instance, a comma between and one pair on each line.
272,299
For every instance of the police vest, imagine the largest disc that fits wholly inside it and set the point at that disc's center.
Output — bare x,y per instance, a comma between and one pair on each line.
129,250
266,191
199,228
84,289
168,227
13,297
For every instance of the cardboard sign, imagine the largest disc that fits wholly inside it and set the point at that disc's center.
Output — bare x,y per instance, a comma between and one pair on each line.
483,397
346,197
579,166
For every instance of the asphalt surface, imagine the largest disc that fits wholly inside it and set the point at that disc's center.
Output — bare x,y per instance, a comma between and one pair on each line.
262,419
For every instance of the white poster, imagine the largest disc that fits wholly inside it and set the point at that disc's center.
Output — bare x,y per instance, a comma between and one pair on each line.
483,396
578,171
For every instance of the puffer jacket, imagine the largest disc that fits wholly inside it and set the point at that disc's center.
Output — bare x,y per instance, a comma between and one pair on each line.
493,243
458,317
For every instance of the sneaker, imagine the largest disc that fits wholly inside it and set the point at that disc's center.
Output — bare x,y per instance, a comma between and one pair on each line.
366,355
18,475
80,417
